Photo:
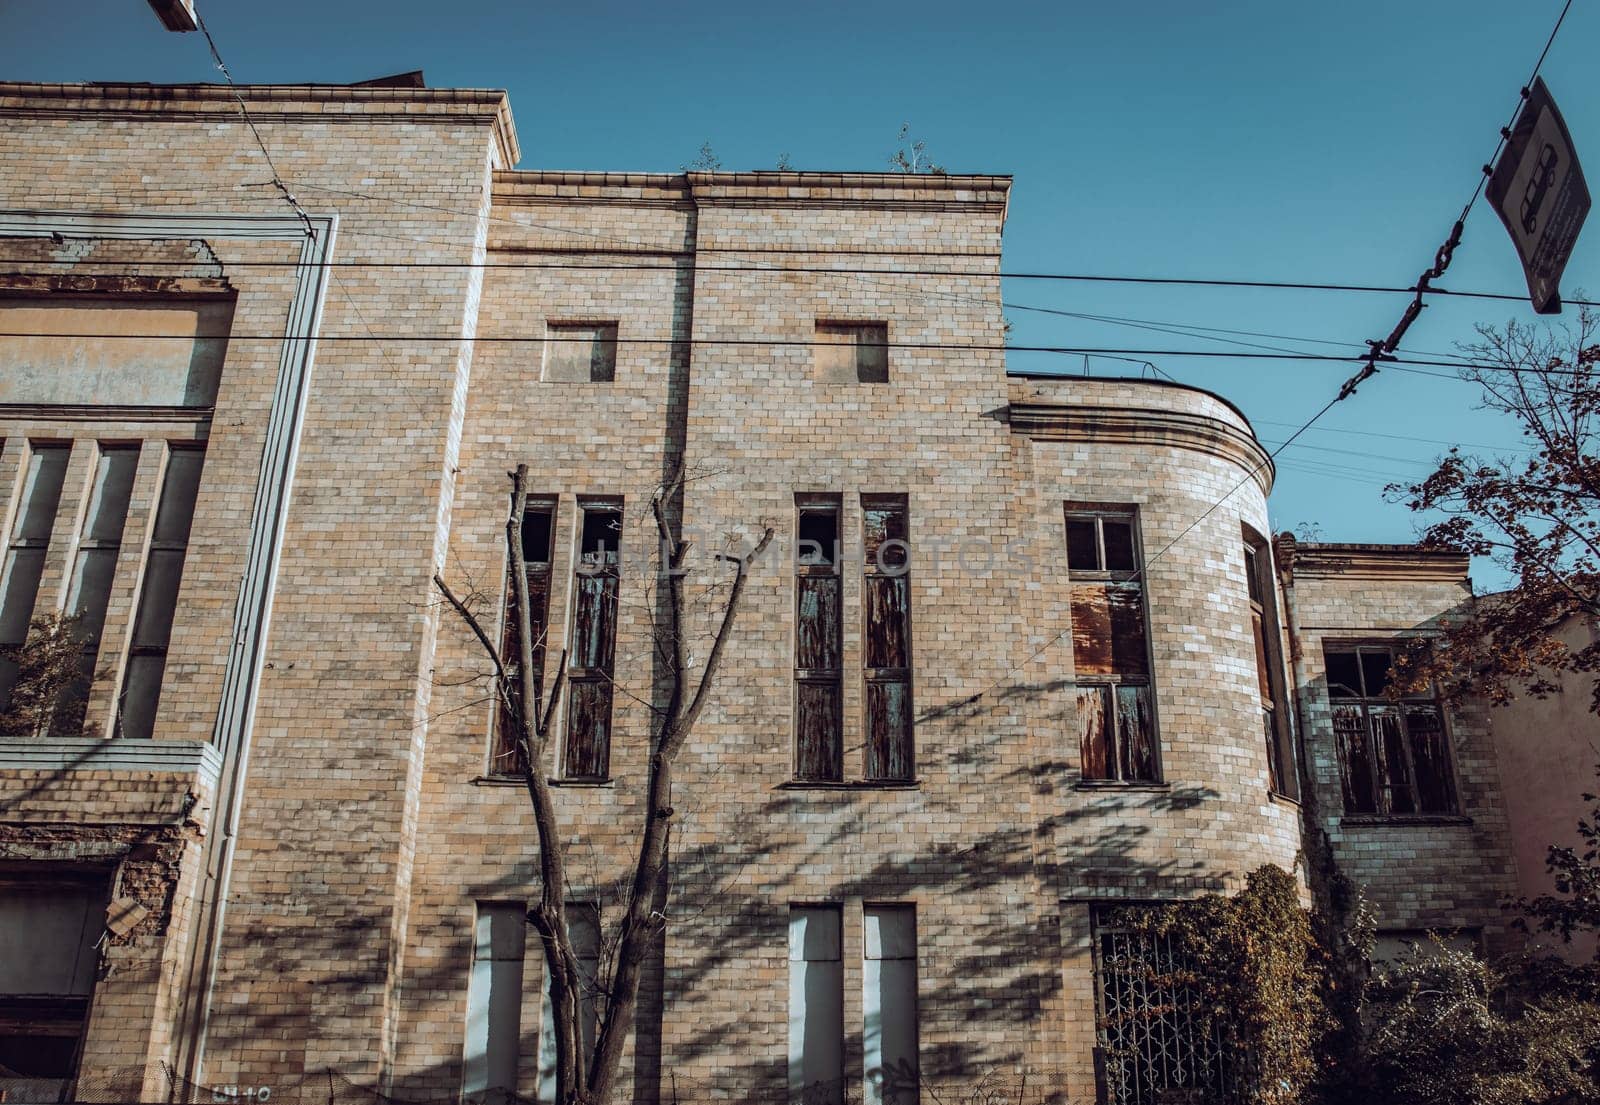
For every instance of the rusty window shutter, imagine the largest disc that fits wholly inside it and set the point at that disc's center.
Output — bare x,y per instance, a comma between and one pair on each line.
586,753
886,655
818,648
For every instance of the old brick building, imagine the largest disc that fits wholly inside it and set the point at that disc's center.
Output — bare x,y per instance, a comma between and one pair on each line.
277,850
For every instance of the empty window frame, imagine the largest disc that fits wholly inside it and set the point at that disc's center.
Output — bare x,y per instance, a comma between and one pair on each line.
580,352
46,469
852,352
818,667
586,753
889,1004
816,1005
886,637
158,592
494,1003
98,546
538,524
1151,1046
1283,774
1115,699
1394,754
583,927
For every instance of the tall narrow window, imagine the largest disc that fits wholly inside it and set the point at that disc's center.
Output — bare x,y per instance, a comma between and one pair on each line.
98,546
1116,703
587,753
1151,1047
886,605
580,351
158,592
537,525
494,1003
1393,752
889,1005
30,536
816,1006
583,926
852,352
818,669
1283,774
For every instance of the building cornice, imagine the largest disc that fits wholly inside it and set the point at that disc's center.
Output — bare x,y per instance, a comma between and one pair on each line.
268,103
1326,560
1143,426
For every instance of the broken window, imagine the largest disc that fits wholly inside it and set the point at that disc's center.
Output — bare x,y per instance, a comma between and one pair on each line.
889,1004
98,546
30,537
494,1003
537,526
852,352
1151,1046
816,1005
50,923
1115,699
587,751
818,669
886,660
1283,775
1393,752
158,592
583,929
581,352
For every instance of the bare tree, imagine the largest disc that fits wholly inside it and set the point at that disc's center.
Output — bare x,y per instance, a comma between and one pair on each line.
516,687
912,156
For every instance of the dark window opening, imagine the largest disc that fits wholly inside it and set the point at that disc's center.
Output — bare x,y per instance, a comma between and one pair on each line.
818,651
30,537
886,660
537,527
1393,753
1283,775
586,754
1110,647
158,593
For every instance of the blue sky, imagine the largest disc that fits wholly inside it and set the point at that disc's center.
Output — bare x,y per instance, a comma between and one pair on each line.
1249,140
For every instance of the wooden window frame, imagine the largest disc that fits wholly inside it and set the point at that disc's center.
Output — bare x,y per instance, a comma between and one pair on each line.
1107,685
602,674
503,752
878,755
832,771
1283,769
1381,799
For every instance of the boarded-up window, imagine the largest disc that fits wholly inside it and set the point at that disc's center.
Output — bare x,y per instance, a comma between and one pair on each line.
30,536
1110,648
158,592
537,527
583,928
886,659
494,1004
96,567
889,1005
852,352
1394,755
596,576
818,668
580,352
816,1006
1283,774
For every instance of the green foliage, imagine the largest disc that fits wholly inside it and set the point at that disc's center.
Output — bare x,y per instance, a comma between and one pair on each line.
706,161
1449,1028
1258,974
47,666
912,156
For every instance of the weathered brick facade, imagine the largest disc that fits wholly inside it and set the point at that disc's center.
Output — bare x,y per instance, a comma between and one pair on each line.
313,904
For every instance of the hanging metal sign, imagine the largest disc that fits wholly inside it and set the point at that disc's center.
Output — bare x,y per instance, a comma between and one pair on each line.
1538,189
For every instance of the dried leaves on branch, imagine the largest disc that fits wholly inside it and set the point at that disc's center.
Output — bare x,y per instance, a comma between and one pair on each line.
47,668
1536,512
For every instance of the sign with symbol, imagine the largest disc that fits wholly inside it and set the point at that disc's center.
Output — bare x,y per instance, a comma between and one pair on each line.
1538,189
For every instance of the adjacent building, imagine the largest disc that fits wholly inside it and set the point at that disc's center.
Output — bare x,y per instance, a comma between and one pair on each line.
1022,653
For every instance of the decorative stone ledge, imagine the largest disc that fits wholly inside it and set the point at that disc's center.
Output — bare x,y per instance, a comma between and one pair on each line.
199,758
